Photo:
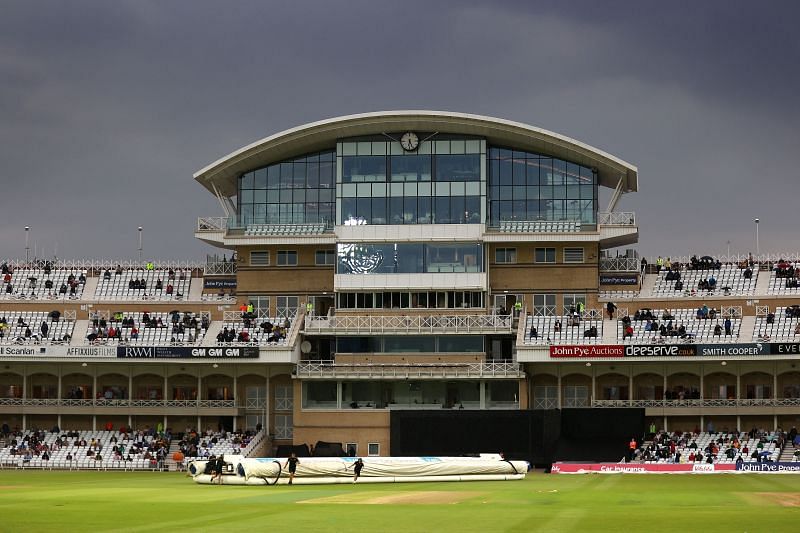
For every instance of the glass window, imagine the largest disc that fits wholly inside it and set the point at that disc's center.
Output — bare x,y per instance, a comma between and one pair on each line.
544,304
320,395
464,167
286,306
571,301
287,258
411,168
325,257
505,255
363,169
373,449
545,255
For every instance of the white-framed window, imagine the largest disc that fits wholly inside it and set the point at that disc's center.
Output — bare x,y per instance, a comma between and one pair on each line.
545,255
351,449
572,300
287,257
325,257
573,255
576,396
259,258
252,421
256,397
373,449
544,304
505,255
284,427
545,397
286,306
260,304
284,397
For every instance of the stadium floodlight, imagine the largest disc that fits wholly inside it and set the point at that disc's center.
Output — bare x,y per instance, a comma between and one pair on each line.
140,244
758,251
27,246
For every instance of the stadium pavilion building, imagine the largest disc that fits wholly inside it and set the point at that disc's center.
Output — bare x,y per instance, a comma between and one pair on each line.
419,261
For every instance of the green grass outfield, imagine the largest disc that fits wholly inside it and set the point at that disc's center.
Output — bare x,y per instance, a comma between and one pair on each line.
119,501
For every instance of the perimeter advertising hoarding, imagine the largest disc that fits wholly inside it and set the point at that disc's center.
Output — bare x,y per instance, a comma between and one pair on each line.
57,350
640,468
619,279
769,467
185,352
661,350
727,350
587,350
785,348
219,283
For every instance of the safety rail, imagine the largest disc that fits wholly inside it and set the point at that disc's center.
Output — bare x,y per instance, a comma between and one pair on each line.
540,226
212,224
544,310
330,369
97,266
620,264
762,310
410,324
236,316
103,402
707,402
730,311
217,268
616,218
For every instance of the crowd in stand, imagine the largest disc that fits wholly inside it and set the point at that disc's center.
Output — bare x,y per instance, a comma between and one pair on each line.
682,447
127,445
208,443
20,331
19,287
249,332
125,329
667,327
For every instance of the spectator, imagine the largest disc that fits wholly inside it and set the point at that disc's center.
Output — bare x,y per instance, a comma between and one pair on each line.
728,327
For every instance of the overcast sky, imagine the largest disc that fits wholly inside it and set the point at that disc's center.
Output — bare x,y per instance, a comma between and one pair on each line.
107,108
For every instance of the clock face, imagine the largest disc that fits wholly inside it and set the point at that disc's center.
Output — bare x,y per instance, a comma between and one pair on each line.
409,141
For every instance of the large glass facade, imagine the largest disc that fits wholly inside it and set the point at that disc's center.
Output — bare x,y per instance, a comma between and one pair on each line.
296,191
524,186
411,344
443,182
408,258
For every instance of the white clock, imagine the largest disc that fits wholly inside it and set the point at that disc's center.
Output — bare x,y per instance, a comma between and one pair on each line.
409,141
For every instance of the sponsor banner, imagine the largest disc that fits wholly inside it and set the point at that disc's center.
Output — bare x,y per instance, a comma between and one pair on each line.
640,468
185,352
219,283
661,350
619,279
588,350
726,350
785,348
769,467
57,351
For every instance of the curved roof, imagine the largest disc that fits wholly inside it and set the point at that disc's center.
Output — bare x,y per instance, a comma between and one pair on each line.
323,134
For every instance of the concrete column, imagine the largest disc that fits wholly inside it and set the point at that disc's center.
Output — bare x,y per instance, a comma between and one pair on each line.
483,395
235,390
774,422
199,392
594,386
130,384
665,423
738,383
665,386
59,421
130,421
630,383
702,385
94,422
558,398
738,422
59,392
24,422
25,395
267,403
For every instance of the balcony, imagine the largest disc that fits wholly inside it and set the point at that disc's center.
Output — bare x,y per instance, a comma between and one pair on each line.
409,325
121,404
486,370
668,404
617,229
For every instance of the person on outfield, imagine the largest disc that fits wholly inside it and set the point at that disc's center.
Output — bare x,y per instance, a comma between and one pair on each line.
291,464
357,466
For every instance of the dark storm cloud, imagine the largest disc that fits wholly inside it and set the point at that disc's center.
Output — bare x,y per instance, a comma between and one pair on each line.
107,108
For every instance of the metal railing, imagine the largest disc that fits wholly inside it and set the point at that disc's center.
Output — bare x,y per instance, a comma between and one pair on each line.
212,224
97,266
329,369
707,402
620,264
616,218
410,324
102,402
217,268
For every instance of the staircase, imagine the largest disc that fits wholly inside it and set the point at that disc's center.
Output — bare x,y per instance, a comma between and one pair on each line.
79,332
169,462
746,329
610,331
195,290
648,283
211,334
787,454
89,288
762,285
